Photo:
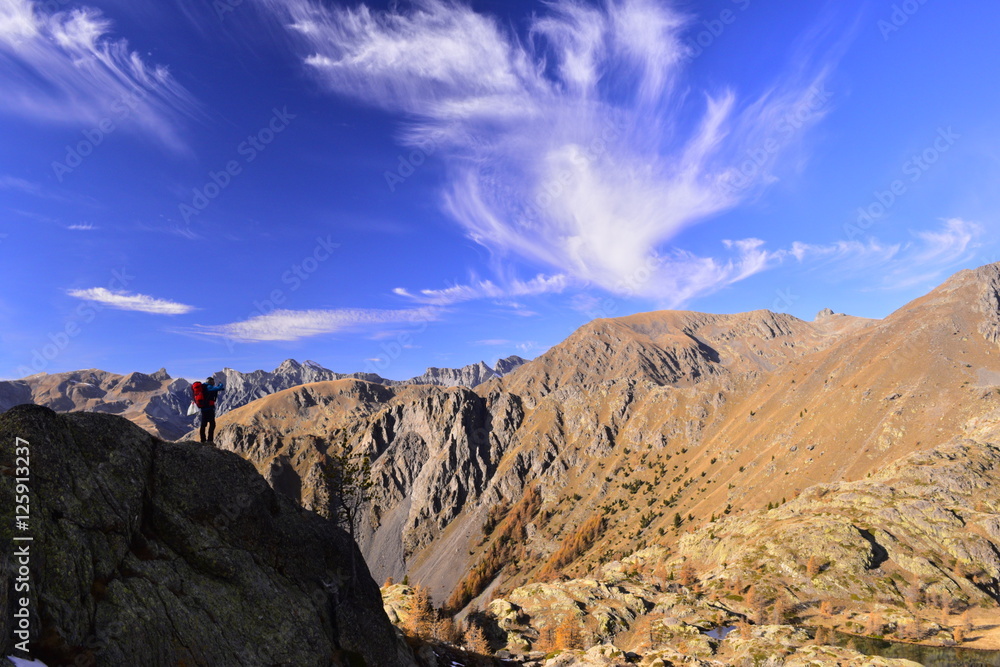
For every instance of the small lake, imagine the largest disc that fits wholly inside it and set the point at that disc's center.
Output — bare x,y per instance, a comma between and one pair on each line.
929,656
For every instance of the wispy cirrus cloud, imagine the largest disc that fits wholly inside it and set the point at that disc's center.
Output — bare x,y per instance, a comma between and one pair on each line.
925,257
64,67
575,148
128,301
292,325
487,289
14,183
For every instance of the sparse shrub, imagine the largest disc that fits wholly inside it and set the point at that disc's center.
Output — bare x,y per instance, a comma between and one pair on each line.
568,635
688,576
875,624
422,614
779,610
826,608
475,640
756,604
444,630
546,641
813,567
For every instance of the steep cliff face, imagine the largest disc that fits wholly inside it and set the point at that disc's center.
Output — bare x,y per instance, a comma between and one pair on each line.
153,553
434,451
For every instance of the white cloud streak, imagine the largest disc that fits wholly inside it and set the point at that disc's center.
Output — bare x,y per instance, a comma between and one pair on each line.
574,148
924,258
291,325
63,67
487,289
129,301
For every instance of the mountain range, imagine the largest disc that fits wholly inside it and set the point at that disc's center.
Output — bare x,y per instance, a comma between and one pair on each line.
754,457
158,402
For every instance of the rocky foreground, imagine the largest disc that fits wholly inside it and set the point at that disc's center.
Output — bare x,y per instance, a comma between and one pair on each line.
153,553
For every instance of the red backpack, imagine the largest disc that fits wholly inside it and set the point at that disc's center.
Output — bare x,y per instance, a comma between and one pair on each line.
200,396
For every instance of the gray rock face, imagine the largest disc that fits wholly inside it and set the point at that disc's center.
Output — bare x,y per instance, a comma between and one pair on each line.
467,376
155,553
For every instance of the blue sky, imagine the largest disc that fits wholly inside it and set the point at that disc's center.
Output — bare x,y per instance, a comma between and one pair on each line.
386,187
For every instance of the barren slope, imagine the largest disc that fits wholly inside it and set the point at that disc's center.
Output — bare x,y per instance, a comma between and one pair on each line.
636,420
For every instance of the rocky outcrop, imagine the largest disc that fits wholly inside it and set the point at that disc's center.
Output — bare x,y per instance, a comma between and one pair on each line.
153,553
928,520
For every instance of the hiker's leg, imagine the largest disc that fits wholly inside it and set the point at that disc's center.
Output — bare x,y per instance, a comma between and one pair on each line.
211,427
204,423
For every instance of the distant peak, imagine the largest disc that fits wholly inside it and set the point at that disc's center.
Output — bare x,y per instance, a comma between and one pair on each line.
288,365
504,366
161,375
823,314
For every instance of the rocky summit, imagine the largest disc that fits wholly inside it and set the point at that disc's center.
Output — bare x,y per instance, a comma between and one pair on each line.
153,553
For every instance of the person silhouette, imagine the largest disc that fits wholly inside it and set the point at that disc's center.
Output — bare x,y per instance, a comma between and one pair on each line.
205,395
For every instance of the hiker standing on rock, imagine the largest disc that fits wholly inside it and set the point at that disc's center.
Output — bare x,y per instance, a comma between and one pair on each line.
205,395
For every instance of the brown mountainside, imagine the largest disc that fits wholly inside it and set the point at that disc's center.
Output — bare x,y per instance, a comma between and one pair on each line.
643,422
